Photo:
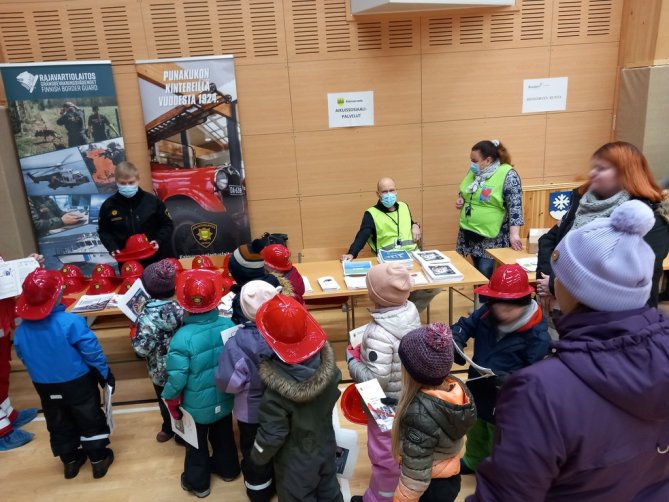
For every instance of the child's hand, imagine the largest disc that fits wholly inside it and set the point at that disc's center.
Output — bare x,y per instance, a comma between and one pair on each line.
173,408
352,353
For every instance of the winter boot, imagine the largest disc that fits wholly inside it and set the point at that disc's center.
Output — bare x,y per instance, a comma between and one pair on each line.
72,468
101,467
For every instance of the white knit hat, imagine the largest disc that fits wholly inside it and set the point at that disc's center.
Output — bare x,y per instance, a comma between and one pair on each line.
606,265
253,295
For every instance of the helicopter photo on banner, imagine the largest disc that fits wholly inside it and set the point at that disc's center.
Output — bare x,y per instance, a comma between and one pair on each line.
67,130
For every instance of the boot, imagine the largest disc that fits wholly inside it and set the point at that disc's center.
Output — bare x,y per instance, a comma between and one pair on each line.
24,417
186,487
72,468
101,467
15,439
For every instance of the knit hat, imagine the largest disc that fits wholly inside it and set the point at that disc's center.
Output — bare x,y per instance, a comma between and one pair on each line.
246,264
388,284
253,295
606,265
159,279
427,353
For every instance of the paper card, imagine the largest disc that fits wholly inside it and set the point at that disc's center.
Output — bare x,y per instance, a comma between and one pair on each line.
355,282
351,109
328,283
107,407
132,303
226,334
545,94
12,275
307,285
372,394
355,335
185,428
92,303
528,264
484,372
417,278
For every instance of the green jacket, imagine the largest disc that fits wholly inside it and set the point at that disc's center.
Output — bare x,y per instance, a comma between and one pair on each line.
191,362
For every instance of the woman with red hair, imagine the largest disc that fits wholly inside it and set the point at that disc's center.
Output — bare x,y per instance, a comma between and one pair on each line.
618,172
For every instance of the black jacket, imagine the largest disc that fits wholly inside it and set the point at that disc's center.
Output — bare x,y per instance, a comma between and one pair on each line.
368,229
121,217
657,239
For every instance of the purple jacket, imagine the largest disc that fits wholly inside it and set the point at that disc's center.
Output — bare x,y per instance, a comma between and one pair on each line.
237,371
592,422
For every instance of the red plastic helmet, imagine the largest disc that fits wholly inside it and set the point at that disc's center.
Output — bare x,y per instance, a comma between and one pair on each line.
41,290
290,331
178,267
225,266
74,279
277,257
102,286
201,262
103,270
126,285
131,269
199,290
508,282
351,405
137,247
227,283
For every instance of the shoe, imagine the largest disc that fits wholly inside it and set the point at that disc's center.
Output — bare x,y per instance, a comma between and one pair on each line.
464,469
187,488
25,417
72,468
356,498
15,439
225,477
163,436
101,467
179,440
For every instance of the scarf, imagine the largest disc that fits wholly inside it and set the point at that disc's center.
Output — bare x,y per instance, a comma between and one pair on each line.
505,329
590,207
482,177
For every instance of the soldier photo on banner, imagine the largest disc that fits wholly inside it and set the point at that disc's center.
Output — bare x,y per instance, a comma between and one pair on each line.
190,115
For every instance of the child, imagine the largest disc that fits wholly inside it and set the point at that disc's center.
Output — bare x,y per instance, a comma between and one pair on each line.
509,334
65,363
191,362
295,413
237,374
277,261
388,286
131,211
156,325
434,413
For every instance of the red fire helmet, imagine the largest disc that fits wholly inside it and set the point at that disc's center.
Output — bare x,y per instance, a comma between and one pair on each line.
41,290
508,282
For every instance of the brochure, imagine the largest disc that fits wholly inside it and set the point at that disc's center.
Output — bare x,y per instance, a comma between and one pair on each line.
443,272
484,372
395,255
528,264
328,283
347,450
355,282
107,407
355,335
372,394
91,303
132,303
417,278
307,285
228,333
12,275
185,428
431,256
355,267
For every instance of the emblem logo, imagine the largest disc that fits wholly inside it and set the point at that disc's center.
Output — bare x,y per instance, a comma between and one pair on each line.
27,80
204,233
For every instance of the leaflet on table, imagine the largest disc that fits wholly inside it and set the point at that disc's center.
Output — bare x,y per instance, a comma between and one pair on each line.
431,256
355,282
307,285
356,267
395,255
528,264
91,303
443,272
107,407
417,278
484,372
372,394
132,303
355,335
12,275
185,428
328,283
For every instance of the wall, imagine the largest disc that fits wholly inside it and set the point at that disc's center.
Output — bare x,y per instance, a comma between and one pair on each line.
442,81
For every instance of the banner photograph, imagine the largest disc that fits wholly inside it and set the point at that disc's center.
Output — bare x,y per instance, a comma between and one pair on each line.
67,130
190,116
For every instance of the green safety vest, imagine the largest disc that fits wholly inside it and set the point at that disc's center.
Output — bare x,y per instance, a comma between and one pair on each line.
487,211
393,230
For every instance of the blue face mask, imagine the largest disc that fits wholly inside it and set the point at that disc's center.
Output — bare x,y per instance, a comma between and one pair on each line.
474,168
389,199
128,191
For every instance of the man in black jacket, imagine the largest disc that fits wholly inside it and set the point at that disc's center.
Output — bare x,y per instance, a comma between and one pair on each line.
131,211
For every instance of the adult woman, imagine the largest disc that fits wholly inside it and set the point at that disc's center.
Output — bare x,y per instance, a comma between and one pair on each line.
490,204
619,172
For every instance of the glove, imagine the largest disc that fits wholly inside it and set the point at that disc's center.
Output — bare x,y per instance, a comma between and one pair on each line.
353,353
173,408
389,401
111,381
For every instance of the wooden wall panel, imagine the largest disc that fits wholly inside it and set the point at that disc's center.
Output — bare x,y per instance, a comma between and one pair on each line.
278,215
269,160
590,21
441,221
396,82
446,146
478,84
352,160
264,97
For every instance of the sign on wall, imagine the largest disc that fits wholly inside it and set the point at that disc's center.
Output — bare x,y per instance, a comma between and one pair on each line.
351,109
545,94
67,130
190,117
559,204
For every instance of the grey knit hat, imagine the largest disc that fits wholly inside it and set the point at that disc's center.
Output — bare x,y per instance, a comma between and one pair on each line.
159,279
427,353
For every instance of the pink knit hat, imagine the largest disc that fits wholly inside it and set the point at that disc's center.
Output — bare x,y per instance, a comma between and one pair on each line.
388,284
253,295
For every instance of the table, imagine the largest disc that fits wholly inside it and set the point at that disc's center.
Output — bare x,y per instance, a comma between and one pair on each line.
508,256
316,269
665,263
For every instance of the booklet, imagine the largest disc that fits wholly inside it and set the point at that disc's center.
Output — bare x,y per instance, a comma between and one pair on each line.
355,282
443,272
417,278
12,275
91,303
372,394
132,303
307,285
228,333
328,283
355,267
395,255
431,256
185,428
107,407
484,372
528,264
355,335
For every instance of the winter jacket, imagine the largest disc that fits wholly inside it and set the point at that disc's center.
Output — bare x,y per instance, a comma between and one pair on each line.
592,422
432,434
59,348
296,422
297,284
237,371
657,239
238,316
380,342
191,362
144,213
155,327
510,353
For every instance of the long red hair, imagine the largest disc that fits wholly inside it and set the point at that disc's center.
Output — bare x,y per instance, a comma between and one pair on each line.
635,175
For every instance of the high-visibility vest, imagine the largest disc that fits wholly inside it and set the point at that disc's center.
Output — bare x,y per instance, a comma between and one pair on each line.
483,211
393,230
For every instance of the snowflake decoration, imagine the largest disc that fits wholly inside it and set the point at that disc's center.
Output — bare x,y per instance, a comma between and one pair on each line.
561,202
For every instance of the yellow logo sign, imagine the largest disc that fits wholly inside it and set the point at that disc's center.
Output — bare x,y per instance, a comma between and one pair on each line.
340,101
114,212
204,233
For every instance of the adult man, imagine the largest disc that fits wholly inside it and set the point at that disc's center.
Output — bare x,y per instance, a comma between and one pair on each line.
97,125
72,118
46,215
389,225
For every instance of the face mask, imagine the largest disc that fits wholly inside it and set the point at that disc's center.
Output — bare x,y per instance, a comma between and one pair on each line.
389,199
128,190
474,168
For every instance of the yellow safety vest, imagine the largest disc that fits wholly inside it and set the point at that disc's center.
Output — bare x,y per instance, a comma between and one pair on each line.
483,212
393,230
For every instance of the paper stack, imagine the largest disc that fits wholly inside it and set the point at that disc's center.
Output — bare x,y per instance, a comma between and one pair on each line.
397,256
437,266
353,268
528,264
328,283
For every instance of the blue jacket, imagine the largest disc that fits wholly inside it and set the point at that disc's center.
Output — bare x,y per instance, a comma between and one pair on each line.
510,353
191,362
59,348
237,371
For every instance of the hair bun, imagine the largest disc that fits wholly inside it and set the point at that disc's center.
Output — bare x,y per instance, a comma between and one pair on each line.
633,217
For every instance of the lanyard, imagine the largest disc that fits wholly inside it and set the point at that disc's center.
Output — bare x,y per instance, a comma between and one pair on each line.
397,223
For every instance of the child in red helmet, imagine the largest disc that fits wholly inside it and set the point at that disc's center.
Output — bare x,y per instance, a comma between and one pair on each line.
65,363
277,261
510,333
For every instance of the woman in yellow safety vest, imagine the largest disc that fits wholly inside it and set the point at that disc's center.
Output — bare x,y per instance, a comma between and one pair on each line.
490,204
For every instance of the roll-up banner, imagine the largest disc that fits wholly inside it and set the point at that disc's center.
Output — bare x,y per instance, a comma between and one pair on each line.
67,130
193,134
